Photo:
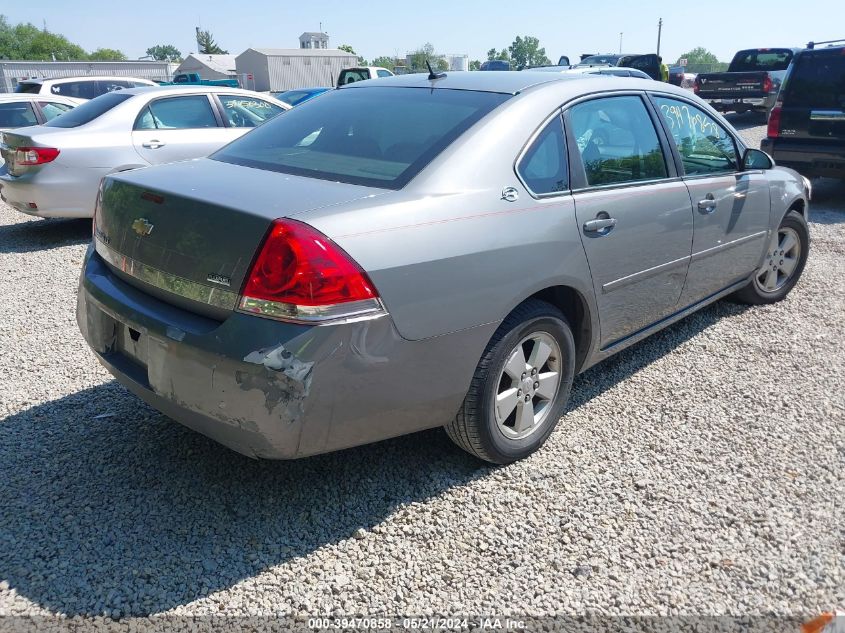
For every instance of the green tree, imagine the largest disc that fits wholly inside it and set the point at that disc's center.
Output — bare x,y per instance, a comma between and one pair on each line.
699,55
474,65
165,53
206,44
26,41
494,54
385,62
346,48
107,55
417,59
527,52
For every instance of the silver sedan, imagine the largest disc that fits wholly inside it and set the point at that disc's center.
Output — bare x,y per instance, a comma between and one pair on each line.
341,276
54,169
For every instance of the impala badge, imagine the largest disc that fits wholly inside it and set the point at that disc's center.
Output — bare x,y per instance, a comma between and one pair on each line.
142,227
223,280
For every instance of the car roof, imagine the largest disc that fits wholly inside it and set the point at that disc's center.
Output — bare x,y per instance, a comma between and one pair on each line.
32,96
145,90
41,80
505,82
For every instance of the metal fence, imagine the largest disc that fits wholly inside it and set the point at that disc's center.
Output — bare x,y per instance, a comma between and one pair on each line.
12,72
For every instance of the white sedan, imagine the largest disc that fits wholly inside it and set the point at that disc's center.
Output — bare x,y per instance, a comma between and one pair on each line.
54,169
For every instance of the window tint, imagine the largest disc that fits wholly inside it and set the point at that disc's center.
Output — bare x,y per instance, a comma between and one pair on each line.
817,80
705,146
110,85
89,111
351,76
177,113
384,73
362,136
77,89
765,59
544,168
244,111
52,109
28,87
16,115
617,141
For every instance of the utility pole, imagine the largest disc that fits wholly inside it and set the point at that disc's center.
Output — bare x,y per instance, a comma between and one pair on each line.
659,29
620,42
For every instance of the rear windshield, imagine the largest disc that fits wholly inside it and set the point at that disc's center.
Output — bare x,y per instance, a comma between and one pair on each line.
768,59
817,80
89,111
380,137
592,60
496,64
29,87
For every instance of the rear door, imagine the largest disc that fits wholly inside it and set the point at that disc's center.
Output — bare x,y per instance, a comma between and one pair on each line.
730,207
633,212
16,114
177,128
814,98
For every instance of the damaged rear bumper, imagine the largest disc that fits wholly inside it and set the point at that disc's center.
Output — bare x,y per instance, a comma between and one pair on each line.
270,389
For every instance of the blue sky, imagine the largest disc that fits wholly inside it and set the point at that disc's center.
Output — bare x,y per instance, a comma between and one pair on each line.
379,27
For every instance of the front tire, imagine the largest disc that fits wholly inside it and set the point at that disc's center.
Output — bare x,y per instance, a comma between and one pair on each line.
520,387
783,264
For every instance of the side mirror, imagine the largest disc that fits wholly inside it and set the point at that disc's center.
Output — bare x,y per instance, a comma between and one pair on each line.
756,159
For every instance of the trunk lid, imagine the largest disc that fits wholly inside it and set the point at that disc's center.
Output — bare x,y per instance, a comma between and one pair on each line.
187,232
23,137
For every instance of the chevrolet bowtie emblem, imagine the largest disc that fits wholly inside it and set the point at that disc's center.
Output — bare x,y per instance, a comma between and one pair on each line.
142,227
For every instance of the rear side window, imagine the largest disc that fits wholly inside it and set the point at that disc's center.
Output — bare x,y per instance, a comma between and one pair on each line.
87,112
28,87
77,89
177,113
771,59
16,115
351,76
52,109
384,73
817,80
543,167
244,111
704,145
380,137
617,141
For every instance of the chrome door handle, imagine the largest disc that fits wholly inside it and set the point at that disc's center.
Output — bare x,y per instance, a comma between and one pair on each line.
599,225
153,144
708,205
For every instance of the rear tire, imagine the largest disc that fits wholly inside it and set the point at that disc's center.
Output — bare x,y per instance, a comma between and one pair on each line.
520,387
783,265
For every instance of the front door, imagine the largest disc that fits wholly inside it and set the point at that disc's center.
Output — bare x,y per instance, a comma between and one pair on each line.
730,207
635,221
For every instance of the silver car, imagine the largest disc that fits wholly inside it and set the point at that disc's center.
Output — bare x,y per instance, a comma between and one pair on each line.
53,170
413,253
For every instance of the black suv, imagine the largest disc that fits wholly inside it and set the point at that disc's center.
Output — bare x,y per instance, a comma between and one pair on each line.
807,125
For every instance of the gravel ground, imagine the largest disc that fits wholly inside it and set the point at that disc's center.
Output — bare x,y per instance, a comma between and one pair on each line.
700,472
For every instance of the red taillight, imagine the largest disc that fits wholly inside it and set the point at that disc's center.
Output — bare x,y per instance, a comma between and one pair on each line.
35,155
773,130
301,275
767,84
696,85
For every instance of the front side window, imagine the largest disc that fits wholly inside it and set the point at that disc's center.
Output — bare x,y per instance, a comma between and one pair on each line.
16,115
704,145
177,113
52,109
543,167
617,141
244,111
374,136
76,89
